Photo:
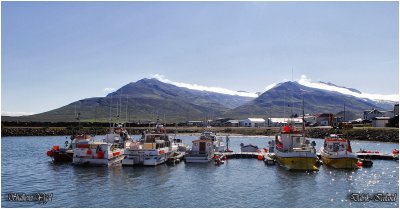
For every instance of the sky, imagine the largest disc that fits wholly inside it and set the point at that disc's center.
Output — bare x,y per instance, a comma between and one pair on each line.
54,53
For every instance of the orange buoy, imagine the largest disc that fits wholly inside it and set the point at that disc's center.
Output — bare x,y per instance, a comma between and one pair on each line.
395,151
260,157
359,163
89,152
49,153
55,147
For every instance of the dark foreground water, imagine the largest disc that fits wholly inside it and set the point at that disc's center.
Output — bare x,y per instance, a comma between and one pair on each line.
26,169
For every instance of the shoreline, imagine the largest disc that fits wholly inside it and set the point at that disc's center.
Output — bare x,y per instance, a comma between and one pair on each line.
361,134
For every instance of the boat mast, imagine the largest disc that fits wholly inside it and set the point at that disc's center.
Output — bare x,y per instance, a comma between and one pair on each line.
110,109
344,112
126,111
304,122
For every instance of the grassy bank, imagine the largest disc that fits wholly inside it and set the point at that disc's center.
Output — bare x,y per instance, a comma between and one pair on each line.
368,134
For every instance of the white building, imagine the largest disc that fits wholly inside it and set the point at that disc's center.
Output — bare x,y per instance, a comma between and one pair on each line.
283,121
380,121
252,122
370,114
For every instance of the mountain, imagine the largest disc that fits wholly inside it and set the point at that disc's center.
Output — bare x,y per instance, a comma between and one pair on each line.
286,98
153,88
148,98
144,100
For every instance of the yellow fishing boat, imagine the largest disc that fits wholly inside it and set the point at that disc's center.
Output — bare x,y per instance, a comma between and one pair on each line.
337,153
294,152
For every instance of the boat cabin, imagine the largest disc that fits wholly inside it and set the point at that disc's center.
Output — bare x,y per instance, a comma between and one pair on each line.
208,136
336,144
202,146
156,141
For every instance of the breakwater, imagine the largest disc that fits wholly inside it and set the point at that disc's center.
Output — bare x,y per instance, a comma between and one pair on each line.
367,134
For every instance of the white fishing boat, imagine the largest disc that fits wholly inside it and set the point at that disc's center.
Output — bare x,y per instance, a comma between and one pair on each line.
151,150
96,153
119,136
337,153
202,151
179,145
217,141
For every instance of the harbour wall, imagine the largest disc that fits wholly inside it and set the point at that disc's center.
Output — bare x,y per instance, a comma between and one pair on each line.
367,134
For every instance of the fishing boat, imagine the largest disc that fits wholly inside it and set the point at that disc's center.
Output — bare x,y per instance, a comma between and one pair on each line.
217,141
179,145
294,152
337,153
61,155
97,153
118,136
152,149
202,151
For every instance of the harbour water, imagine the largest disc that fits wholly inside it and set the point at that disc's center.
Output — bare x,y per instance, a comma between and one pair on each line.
237,183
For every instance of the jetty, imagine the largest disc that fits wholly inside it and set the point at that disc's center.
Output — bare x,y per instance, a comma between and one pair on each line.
265,155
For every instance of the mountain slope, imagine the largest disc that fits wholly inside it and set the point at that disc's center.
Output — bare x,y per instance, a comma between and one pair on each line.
144,100
286,98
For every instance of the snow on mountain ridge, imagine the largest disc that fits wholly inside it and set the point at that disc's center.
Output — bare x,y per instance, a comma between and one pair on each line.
329,87
204,88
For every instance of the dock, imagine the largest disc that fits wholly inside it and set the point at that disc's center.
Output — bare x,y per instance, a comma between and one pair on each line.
236,155
372,156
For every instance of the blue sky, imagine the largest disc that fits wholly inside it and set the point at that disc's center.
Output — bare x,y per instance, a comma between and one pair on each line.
54,53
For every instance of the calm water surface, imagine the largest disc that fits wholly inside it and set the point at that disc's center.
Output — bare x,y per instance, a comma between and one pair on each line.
25,168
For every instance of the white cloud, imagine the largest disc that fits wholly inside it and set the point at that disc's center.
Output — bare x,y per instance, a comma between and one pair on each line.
203,88
7,113
108,89
307,82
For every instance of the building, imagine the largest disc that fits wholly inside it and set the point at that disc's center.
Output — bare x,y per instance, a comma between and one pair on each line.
232,123
325,119
252,122
195,123
380,121
277,122
370,114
